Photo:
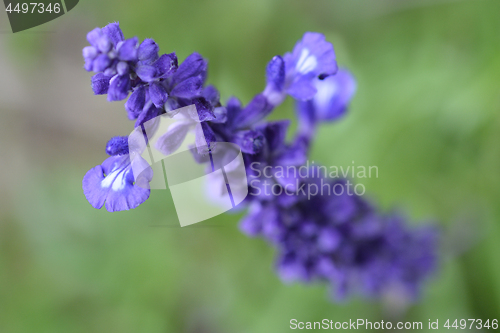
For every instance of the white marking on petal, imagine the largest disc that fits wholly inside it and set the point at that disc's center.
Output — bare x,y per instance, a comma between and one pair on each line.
327,89
306,63
115,179
119,183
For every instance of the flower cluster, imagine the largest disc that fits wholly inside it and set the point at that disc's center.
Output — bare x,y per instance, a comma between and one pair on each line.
156,83
342,239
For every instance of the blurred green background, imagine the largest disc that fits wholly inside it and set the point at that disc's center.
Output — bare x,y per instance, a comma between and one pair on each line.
426,113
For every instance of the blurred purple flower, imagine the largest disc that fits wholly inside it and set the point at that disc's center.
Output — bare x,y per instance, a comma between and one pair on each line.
294,73
357,251
330,103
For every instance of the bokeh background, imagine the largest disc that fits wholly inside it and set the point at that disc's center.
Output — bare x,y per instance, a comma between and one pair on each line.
427,113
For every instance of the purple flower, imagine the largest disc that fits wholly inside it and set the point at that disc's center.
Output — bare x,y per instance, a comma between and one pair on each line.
187,81
338,238
333,96
160,68
113,58
359,252
169,86
123,66
107,48
113,183
294,73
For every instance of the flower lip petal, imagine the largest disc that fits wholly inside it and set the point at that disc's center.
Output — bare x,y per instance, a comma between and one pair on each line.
113,183
334,94
331,101
313,54
312,57
302,89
